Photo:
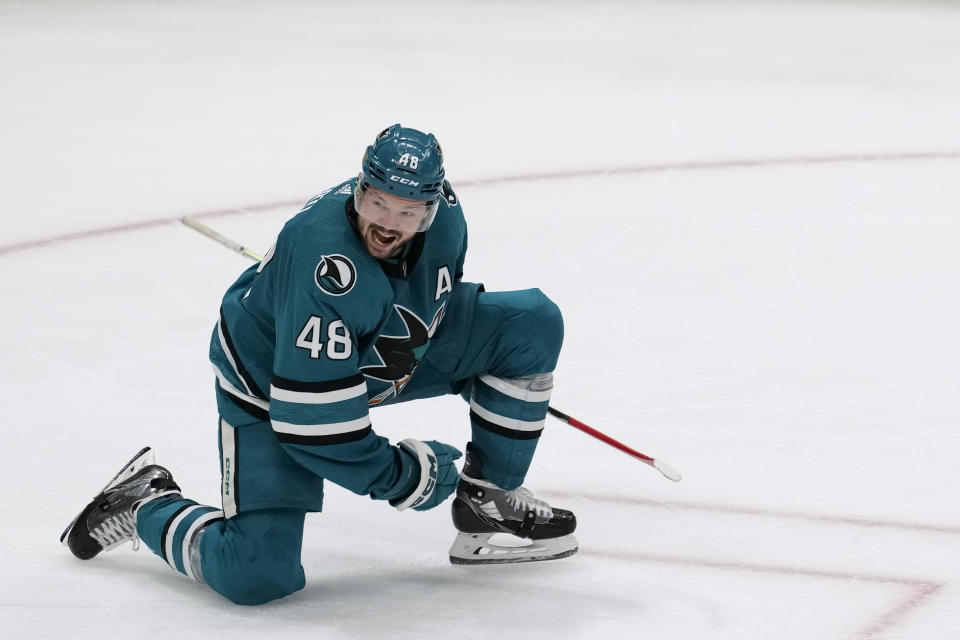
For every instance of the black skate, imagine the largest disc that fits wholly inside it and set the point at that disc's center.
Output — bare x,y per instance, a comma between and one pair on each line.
109,520
481,510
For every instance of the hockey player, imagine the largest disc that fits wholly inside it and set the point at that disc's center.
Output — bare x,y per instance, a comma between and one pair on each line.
359,303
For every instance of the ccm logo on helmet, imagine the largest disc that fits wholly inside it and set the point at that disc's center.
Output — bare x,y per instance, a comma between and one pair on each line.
412,183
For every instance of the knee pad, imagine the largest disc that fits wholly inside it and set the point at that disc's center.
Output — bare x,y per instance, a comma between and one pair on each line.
255,560
250,587
257,578
546,331
526,328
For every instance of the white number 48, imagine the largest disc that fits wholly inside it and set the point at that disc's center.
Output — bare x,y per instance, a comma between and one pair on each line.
339,345
407,160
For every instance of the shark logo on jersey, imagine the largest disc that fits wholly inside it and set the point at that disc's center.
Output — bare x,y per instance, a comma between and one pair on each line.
400,355
335,274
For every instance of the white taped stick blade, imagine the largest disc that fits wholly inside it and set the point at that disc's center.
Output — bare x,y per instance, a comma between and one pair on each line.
669,472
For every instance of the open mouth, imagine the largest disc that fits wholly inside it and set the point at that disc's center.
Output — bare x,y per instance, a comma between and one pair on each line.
383,238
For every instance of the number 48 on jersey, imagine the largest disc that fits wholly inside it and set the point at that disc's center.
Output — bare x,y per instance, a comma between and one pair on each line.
338,345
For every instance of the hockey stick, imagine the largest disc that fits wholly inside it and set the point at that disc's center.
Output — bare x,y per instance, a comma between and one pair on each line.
203,229
668,472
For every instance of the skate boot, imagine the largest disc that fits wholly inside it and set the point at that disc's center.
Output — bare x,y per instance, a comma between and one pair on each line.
482,510
109,518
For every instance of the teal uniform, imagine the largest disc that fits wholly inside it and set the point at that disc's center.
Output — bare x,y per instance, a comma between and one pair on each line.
308,342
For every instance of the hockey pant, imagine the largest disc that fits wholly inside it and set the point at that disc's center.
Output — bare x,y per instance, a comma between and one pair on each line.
251,558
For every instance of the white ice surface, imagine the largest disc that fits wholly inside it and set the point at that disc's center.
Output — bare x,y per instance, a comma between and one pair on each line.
785,334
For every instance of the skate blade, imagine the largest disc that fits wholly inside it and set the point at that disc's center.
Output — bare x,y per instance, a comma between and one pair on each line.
477,548
142,458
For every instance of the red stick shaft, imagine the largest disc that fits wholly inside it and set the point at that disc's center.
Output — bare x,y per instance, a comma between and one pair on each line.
599,435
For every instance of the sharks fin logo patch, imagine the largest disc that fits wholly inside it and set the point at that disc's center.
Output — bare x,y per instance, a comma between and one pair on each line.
335,274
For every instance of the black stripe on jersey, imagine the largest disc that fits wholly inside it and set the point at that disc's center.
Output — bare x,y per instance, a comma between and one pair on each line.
503,431
247,407
317,387
166,530
242,370
336,438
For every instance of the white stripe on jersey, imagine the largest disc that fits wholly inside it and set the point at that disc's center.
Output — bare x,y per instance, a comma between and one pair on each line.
321,429
265,260
503,421
227,386
229,354
324,397
506,387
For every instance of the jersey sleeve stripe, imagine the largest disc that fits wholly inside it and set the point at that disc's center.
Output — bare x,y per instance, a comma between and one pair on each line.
318,387
303,397
230,388
503,421
229,355
506,388
332,428
267,257
230,351
263,415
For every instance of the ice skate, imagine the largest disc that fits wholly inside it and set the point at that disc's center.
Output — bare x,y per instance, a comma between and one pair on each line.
531,528
109,519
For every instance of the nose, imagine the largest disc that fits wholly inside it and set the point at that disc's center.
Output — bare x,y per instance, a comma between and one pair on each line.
392,221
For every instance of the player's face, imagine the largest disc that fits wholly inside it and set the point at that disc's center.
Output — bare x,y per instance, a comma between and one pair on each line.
386,222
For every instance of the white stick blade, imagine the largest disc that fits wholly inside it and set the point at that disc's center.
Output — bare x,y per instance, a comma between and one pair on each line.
669,472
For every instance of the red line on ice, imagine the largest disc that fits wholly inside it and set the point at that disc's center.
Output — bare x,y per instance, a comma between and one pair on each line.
693,165
725,164
919,590
766,513
100,232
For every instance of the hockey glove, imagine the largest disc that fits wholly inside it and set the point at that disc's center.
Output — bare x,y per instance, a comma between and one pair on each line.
438,477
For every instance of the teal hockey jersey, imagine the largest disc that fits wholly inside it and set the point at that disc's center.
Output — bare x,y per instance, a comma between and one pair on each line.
319,331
